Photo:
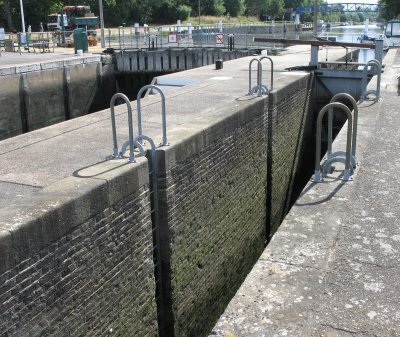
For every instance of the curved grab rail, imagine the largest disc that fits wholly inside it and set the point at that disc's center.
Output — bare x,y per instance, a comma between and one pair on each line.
376,92
130,127
164,117
341,106
272,71
355,125
258,87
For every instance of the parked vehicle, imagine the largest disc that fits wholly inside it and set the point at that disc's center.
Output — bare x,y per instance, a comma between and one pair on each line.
73,17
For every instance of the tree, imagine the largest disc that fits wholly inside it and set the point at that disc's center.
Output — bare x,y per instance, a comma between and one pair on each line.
256,7
391,8
234,7
276,8
8,16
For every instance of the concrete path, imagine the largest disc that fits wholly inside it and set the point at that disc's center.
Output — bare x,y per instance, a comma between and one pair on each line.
37,159
333,267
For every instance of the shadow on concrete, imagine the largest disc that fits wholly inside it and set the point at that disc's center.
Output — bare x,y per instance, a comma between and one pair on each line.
325,199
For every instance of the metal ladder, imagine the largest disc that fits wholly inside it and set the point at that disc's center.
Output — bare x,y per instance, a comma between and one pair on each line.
353,102
130,142
375,64
259,87
272,73
164,117
335,157
153,189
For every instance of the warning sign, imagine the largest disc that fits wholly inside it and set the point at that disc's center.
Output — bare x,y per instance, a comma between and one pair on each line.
219,39
172,38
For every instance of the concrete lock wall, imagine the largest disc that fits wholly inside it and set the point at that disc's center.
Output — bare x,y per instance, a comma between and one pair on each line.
223,189
169,60
48,93
76,259
290,124
213,216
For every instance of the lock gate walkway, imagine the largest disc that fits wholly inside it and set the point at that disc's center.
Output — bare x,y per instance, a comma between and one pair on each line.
332,268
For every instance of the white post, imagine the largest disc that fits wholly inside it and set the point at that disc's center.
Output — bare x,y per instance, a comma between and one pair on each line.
103,45
22,15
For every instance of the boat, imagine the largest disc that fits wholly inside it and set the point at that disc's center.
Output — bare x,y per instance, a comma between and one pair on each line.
392,33
370,38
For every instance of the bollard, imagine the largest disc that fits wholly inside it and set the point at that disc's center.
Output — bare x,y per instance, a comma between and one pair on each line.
219,64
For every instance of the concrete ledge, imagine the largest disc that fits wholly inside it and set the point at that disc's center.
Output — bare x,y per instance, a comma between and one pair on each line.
25,68
332,267
44,217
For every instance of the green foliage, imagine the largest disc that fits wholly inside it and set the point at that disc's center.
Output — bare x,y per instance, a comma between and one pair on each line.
219,7
184,12
276,8
234,7
391,9
256,7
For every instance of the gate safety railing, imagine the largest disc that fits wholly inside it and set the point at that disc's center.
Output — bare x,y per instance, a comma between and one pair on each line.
116,152
377,66
347,160
353,102
272,72
163,112
259,88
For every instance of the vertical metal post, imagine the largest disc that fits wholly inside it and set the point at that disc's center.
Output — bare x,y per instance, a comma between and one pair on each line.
22,15
130,127
330,126
317,170
315,28
314,55
103,45
379,50
164,115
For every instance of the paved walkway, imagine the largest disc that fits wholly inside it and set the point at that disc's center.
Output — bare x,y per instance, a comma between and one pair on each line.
333,267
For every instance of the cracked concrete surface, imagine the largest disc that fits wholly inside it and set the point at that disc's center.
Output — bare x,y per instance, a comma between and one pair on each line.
332,269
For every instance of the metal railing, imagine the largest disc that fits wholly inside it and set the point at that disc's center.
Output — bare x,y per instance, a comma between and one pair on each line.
163,111
30,42
353,102
334,157
217,35
258,87
272,72
377,69
116,152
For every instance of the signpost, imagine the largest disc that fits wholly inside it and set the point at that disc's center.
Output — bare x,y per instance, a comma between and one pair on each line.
219,40
172,38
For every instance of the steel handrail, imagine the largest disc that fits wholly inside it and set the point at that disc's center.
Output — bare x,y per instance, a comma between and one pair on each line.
164,117
317,171
364,84
117,153
355,125
272,71
258,87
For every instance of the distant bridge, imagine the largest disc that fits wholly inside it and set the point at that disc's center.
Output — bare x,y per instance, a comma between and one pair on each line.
340,8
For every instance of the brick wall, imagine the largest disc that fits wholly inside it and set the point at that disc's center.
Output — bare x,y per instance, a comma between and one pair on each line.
213,217
289,125
77,258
